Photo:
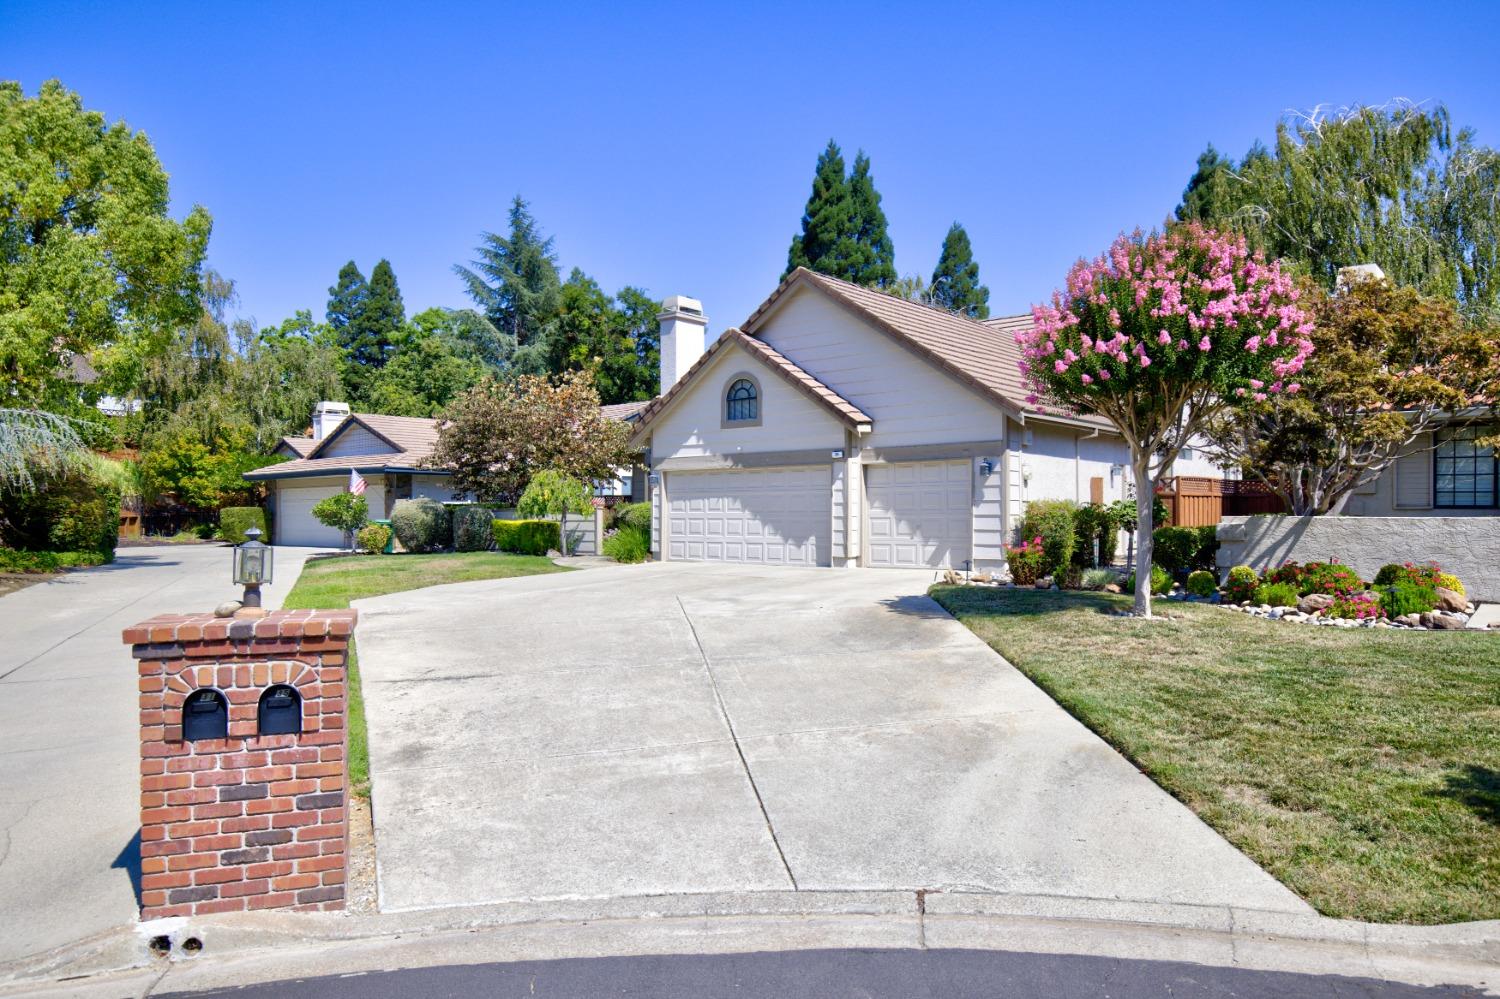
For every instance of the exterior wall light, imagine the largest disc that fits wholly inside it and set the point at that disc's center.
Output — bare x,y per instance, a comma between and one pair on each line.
986,467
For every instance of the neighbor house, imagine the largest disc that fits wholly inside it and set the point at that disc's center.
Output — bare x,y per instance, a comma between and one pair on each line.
1443,473
841,426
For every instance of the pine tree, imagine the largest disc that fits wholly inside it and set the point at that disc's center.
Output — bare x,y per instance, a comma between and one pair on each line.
384,313
1208,197
872,261
366,318
346,300
515,278
828,222
955,283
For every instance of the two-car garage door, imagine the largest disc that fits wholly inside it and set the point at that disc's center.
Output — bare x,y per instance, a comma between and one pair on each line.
774,516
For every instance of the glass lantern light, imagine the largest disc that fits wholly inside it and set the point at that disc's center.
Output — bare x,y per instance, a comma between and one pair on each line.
252,566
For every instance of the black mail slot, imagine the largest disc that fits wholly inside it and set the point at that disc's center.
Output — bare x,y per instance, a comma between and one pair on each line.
281,711
205,715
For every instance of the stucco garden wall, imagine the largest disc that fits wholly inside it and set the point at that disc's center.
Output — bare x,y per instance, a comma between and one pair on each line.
1468,547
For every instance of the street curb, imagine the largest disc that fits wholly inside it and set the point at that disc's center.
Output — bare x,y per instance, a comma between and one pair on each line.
1463,953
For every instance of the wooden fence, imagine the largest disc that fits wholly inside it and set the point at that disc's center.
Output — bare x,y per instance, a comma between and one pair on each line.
1196,501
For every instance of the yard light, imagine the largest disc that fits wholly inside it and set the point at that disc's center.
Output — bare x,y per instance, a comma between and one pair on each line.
252,567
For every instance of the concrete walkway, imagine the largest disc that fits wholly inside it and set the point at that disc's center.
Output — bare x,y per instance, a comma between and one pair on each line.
677,729
69,749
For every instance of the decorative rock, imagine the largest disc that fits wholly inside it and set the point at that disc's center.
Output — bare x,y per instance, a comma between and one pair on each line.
227,608
1314,602
952,578
1276,613
980,577
1410,620
1447,622
1112,588
1045,583
1450,601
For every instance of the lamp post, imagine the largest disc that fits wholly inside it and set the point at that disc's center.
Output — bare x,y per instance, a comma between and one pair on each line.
252,567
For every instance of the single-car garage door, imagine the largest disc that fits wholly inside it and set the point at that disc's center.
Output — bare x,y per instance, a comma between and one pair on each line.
919,513
295,524
774,516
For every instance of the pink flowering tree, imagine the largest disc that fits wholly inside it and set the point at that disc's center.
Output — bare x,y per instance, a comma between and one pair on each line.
1160,335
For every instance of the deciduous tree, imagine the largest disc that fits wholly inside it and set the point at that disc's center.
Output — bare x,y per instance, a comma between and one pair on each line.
553,494
498,435
1158,336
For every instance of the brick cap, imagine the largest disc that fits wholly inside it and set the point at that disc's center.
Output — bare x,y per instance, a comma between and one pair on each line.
330,625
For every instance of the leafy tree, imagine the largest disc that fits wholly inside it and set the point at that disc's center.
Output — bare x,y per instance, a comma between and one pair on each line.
912,287
1160,335
617,339
181,465
514,280
196,360
90,261
344,512
955,282
1389,366
36,445
469,334
1390,185
552,494
423,376
279,374
498,435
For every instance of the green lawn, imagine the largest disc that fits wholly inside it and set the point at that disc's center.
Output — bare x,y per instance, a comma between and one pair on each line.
1362,768
331,583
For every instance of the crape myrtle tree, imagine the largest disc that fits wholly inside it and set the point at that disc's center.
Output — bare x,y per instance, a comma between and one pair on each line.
1158,336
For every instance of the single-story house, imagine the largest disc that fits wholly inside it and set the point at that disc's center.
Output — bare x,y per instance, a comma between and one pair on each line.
388,452
1443,473
841,426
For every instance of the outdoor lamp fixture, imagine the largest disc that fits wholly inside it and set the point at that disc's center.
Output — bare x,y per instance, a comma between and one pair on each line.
252,567
986,467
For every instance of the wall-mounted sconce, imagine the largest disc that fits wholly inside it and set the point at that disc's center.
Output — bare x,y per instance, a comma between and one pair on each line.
654,478
986,467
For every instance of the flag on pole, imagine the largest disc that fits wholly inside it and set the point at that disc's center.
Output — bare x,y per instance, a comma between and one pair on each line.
356,483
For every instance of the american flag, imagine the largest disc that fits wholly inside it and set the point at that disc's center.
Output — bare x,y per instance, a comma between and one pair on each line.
356,483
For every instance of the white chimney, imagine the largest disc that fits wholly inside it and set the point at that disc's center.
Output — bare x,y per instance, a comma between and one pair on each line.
326,416
682,328
1350,276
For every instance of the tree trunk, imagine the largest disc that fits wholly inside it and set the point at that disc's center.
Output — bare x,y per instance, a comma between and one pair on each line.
562,533
1145,500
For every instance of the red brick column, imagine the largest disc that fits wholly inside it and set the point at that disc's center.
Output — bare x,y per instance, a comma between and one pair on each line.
250,821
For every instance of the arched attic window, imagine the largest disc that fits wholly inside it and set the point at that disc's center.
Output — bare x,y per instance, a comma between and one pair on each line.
742,401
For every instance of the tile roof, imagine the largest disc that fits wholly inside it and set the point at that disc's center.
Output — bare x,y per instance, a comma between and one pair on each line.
623,410
981,354
794,375
301,445
376,463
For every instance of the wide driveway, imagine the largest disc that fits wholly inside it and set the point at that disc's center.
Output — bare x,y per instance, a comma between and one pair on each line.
692,728
69,745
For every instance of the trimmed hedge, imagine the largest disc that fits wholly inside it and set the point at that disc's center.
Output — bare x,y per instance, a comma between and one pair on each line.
527,537
234,521
471,529
1202,584
372,539
421,524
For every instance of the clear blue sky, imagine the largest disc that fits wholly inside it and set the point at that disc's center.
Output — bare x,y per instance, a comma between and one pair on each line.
672,147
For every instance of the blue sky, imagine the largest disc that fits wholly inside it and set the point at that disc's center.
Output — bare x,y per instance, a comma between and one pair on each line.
672,147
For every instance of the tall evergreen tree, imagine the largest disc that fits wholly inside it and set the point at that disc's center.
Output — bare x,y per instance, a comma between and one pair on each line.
828,222
955,282
1209,196
384,312
515,280
366,318
873,259
346,299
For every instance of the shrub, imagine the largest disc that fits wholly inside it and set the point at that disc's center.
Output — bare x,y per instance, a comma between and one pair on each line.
628,543
1202,583
1448,581
75,512
1070,577
1052,521
1025,562
1161,581
637,515
1277,594
1421,575
1097,579
553,494
421,524
1332,578
1241,585
527,537
14,561
372,539
1091,523
1405,597
1206,554
471,529
342,511
1358,606
234,521
1174,548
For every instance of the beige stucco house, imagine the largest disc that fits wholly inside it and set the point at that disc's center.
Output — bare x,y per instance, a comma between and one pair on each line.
840,426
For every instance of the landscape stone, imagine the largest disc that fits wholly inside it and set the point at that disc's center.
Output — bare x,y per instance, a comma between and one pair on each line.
1448,622
1314,602
1450,601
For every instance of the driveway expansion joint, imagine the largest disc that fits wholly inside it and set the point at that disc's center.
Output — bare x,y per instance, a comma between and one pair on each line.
739,751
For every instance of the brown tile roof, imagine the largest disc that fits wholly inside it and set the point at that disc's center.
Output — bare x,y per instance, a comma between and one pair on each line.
415,436
375,463
623,410
982,355
842,408
301,446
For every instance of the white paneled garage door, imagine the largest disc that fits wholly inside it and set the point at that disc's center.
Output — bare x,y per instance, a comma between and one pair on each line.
919,513
295,524
772,516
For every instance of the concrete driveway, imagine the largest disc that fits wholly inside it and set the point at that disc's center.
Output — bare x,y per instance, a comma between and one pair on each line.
69,746
681,728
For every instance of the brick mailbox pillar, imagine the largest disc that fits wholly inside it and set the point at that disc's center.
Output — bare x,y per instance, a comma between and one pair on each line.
244,761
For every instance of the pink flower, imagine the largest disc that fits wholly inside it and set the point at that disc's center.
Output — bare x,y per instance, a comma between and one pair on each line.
1294,388
1182,345
1163,338
1059,367
1205,344
1256,383
1086,379
1145,361
1260,397
1253,346
1103,376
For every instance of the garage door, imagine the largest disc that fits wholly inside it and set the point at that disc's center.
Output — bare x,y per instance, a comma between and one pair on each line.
919,513
773,516
295,524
